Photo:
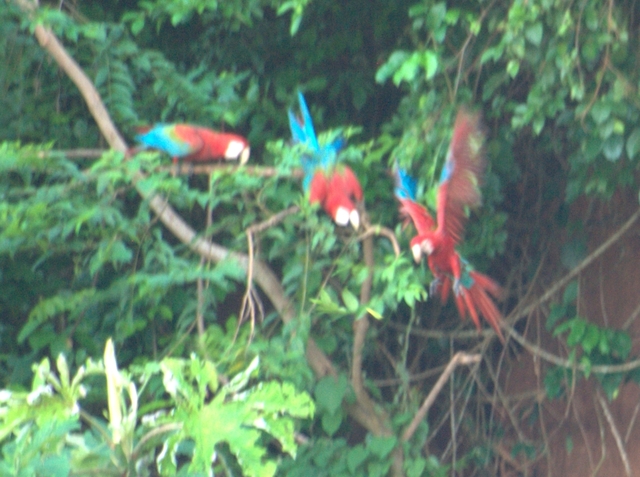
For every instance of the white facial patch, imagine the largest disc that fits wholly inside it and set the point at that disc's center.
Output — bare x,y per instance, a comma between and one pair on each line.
342,216
354,218
416,250
427,246
234,148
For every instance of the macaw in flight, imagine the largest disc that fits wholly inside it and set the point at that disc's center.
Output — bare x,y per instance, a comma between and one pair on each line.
326,180
194,143
457,192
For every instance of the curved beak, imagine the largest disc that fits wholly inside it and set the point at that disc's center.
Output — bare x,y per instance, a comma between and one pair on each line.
244,155
354,218
416,250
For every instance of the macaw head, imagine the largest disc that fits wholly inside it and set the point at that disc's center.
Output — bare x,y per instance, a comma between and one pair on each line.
237,149
343,191
421,244
334,200
341,209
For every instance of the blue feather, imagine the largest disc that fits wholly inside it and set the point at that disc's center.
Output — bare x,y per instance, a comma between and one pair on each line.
447,170
405,187
159,137
302,128
303,132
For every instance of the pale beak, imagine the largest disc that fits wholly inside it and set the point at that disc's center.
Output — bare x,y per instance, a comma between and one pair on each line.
244,155
354,218
416,250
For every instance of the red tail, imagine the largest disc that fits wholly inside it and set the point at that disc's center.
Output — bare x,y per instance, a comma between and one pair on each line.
476,302
143,129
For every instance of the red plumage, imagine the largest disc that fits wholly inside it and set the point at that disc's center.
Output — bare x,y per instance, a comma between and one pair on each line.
458,191
337,194
461,176
194,143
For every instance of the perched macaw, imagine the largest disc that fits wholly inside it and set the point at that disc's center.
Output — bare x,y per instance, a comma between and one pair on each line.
194,143
458,191
326,180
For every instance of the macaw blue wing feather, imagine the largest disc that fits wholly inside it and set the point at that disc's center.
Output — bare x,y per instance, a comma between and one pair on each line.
164,138
303,132
302,126
405,187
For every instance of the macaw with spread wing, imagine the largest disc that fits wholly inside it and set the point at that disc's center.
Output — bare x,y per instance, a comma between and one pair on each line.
326,180
194,143
457,192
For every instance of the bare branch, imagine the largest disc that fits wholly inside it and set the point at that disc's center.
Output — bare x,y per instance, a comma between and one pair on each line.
615,432
460,358
385,232
556,287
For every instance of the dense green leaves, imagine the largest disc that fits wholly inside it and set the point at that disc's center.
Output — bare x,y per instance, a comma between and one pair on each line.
83,258
46,425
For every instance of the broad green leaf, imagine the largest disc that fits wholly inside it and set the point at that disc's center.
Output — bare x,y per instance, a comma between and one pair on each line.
350,300
534,33
612,147
330,392
381,445
513,66
430,64
331,421
591,338
578,328
633,143
356,456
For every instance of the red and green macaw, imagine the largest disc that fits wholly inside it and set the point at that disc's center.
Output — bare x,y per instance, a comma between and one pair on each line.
194,143
326,180
458,191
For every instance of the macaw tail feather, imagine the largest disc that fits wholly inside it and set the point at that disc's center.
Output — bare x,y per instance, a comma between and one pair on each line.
487,284
475,302
460,304
445,289
469,297
481,304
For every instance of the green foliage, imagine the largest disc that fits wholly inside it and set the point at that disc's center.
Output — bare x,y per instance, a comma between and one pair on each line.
42,435
589,345
335,457
82,257
241,415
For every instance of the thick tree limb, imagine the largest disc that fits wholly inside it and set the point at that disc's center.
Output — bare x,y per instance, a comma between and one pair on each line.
376,417
266,279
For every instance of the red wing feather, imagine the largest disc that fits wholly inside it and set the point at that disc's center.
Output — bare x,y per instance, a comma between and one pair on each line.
461,175
345,177
192,136
422,220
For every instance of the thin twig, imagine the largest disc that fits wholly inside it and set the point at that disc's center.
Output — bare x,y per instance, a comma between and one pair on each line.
251,298
460,358
615,432
385,232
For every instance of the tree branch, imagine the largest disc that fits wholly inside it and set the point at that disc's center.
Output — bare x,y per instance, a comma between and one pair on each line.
460,358
556,287
266,279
